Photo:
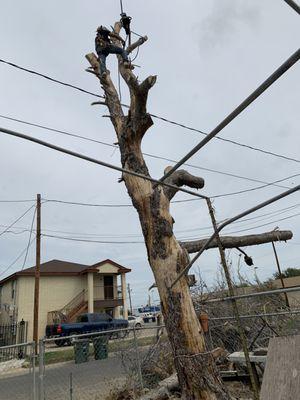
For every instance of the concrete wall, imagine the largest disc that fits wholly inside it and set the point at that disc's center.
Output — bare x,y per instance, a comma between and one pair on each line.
55,293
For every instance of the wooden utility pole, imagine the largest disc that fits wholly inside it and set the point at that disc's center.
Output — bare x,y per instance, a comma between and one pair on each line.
129,295
280,275
251,368
37,272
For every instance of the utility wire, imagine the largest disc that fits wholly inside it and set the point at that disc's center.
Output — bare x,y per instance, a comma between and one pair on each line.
17,220
92,241
95,161
154,115
17,259
247,190
294,5
259,218
114,167
145,154
16,201
142,242
29,240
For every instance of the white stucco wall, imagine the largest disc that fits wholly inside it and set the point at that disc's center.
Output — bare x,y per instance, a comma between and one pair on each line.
55,293
6,299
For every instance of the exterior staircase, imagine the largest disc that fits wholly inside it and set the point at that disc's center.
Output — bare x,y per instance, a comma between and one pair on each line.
70,311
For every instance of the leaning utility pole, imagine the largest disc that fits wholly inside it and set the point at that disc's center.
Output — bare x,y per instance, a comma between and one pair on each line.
253,376
37,272
129,295
280,275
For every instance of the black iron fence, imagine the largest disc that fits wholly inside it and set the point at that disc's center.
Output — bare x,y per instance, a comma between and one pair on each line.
13,333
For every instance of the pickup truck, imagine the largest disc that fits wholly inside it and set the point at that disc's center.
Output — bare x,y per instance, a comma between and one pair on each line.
86,323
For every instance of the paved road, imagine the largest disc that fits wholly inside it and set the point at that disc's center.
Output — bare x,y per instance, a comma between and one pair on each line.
91,381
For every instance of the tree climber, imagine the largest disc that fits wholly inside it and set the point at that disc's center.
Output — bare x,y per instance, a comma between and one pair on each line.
104,47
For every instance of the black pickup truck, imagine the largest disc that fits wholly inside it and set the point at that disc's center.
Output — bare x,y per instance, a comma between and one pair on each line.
86,323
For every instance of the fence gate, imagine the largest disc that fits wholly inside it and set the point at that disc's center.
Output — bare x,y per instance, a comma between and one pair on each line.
14,333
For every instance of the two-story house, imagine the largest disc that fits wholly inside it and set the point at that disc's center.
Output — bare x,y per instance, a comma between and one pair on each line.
66,290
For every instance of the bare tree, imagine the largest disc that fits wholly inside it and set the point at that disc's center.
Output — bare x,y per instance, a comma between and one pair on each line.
197,373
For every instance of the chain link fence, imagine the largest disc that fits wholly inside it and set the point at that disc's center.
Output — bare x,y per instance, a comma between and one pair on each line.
95,365
18,372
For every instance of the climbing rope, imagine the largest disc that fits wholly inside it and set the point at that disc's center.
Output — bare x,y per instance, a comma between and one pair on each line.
119,84
121,5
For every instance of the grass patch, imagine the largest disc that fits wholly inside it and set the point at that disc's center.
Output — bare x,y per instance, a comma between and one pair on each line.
54,357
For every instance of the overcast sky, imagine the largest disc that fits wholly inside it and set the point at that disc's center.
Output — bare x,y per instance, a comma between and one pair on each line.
208,55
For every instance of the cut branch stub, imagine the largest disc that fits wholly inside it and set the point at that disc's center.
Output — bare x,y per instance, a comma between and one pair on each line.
182,178
229,242
136,44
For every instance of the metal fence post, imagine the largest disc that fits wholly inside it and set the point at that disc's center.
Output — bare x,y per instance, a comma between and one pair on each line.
33,355
71,386
138,360
41,369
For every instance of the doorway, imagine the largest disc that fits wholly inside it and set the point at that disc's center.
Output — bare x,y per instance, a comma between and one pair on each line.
108,287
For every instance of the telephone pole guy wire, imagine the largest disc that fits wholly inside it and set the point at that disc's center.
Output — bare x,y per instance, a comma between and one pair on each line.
294,5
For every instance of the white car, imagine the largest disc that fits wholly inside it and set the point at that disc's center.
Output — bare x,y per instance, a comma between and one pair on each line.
135,321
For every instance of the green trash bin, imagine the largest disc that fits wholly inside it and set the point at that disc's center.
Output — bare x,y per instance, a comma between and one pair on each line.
100,347
81,351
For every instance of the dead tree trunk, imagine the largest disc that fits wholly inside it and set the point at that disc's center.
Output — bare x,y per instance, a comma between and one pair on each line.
197,374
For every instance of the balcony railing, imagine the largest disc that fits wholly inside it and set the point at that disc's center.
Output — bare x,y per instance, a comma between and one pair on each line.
106,292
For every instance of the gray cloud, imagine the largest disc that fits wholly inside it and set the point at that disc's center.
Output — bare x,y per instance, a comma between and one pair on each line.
225,19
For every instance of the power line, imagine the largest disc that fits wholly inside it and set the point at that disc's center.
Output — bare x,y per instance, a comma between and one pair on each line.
125,171
63,132
95,161
247,190
267,152
17,220
17,259
30,71
259,218
92,241
294,5
16,201
29,240
73,239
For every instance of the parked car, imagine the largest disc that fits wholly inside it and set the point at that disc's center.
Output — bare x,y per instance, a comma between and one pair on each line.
135,321
87,323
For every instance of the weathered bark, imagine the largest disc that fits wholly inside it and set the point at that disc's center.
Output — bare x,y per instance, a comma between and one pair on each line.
229,242
197,374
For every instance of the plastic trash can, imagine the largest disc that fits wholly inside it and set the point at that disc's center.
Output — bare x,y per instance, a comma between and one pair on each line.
100,344
81,351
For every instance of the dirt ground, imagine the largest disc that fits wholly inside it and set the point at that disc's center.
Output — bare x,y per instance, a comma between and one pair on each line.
239,391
